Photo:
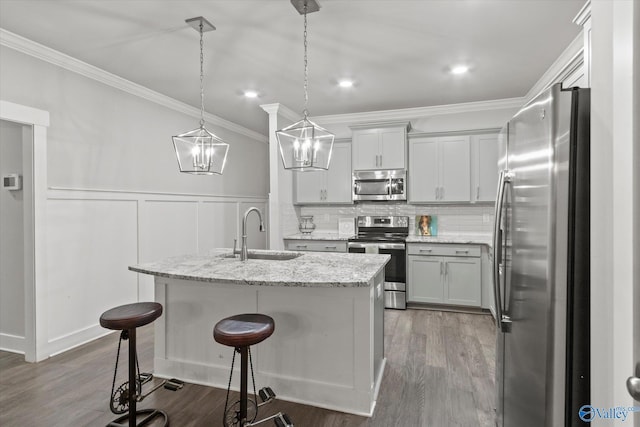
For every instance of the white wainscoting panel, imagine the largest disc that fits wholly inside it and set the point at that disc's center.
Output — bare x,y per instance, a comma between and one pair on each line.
217,225
90,244
167,228
93,236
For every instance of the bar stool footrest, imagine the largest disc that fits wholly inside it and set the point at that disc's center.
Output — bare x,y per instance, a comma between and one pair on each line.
283,420
173,384
266,395
123,421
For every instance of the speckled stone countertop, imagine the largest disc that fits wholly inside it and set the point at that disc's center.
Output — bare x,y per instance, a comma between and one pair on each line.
308,269
319,236
471,239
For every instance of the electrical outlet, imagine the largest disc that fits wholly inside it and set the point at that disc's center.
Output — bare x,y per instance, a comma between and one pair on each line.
486,218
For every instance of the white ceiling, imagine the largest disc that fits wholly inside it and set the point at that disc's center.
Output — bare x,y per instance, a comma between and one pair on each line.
397,51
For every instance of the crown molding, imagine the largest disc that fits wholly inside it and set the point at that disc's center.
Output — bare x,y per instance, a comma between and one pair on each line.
281,110
44,53
571,58
584,14
384,124
407,114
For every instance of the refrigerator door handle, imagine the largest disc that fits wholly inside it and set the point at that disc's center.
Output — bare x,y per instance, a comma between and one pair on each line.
504,322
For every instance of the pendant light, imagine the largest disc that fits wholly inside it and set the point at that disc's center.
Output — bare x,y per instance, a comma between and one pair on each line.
305,146
200,152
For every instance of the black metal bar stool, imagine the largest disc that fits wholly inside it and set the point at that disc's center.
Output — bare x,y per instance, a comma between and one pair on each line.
241,332
127,318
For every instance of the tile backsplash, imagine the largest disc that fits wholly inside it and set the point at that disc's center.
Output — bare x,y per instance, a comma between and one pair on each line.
452,219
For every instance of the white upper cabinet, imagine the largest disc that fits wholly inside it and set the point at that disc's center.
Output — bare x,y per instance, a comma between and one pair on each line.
439,169
379,146
424,178
484,160
330,186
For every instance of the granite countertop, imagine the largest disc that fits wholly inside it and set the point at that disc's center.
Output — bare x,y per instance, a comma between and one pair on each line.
319,235
471,239
307,269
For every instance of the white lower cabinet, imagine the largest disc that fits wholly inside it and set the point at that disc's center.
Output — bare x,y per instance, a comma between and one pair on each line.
444,274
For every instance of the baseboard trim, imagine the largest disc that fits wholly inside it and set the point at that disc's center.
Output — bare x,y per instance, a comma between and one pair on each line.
75,339
12,343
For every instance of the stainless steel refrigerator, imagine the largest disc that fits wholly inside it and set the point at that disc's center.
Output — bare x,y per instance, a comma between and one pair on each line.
541,262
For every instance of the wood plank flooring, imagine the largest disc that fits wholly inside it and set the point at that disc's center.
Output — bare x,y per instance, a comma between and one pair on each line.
439,373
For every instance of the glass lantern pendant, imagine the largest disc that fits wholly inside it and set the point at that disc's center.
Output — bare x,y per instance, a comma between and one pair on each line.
200,152
305,146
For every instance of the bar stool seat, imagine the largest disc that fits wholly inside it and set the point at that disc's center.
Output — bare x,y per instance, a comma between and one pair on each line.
243,330
131,315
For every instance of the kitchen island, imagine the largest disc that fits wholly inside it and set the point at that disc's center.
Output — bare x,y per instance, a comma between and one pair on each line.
328,308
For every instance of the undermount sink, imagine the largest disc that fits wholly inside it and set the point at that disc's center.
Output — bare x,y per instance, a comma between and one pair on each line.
268,256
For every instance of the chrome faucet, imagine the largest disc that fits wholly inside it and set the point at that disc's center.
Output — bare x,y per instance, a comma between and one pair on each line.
243,251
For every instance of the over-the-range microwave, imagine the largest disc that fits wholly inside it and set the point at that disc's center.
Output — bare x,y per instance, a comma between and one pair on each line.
389,184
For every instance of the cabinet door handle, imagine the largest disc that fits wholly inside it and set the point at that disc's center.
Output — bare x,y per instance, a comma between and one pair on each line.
462,251
478,192
441,272
426,250
446,268
331,247
301,246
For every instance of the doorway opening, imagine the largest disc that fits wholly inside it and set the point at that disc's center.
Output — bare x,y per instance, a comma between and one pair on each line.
23,299
15,185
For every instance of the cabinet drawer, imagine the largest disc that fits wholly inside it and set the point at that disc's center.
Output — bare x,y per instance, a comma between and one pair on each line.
439,249
316,245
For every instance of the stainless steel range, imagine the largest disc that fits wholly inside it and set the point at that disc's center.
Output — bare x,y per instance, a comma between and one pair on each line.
386,235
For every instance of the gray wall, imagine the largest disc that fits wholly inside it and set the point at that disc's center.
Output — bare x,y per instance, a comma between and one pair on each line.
103,138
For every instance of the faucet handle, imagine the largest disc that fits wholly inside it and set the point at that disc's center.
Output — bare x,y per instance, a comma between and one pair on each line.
235,242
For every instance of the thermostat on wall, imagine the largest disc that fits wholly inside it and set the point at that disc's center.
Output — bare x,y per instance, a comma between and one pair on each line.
12,181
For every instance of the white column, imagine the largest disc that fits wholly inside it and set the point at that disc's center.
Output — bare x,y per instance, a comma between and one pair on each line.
280,180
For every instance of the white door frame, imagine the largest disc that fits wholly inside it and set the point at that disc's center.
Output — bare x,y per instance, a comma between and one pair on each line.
34,161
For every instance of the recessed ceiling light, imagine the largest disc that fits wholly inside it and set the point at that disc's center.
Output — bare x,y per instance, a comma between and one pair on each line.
459,69
250,94
345,83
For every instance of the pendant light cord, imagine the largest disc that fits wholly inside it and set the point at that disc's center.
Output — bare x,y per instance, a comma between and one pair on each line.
201,76
305,112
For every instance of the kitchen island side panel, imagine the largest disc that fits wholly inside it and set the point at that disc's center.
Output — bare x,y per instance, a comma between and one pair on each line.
326,349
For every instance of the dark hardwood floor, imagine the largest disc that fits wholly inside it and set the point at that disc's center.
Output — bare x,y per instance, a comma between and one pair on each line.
440,372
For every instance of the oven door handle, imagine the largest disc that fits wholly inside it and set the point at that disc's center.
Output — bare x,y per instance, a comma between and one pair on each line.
396,246
359,245
399,246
